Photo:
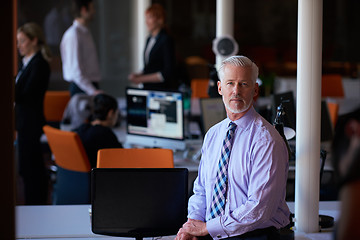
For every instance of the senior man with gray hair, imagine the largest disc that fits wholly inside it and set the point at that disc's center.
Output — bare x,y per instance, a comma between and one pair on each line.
241,185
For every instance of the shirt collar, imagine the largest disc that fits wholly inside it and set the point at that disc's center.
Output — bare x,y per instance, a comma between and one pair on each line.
244,121
79,25
156,37
26,60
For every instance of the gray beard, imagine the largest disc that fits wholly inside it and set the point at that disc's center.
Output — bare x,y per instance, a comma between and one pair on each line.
243,109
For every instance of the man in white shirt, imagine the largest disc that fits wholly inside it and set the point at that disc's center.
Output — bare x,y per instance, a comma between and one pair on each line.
78,53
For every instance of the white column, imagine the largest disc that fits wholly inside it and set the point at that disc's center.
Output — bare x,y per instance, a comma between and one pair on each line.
224,21
139,34
308,116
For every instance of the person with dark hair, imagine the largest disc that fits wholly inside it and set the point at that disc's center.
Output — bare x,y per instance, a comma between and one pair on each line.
346,161
31,84
98,134
159,54
80,62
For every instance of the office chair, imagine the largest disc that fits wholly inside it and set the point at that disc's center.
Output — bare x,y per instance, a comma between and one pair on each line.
331,86
55,103
135,158
73,167
199,87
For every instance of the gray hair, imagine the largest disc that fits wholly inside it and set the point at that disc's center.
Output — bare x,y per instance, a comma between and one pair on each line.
239,61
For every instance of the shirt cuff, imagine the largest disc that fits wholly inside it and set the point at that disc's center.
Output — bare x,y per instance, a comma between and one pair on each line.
215,228
88,88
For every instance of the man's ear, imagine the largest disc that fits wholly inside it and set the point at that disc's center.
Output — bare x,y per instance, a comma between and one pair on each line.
110,114
219,87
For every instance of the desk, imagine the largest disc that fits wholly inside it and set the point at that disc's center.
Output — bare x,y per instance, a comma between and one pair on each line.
53,221
328,208
73,222
188,158
284,84
351,91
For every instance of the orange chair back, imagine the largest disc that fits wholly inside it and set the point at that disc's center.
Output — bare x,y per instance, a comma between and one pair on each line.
199,88
55,103
68,149
135,158
333,111
331,86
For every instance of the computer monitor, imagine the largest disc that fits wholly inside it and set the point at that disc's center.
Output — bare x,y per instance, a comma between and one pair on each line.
212,112
155,118
139,202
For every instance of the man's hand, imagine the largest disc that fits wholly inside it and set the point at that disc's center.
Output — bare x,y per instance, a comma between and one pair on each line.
182,235
195,227
191,229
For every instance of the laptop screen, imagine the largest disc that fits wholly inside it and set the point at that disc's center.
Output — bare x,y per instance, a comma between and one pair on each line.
141,202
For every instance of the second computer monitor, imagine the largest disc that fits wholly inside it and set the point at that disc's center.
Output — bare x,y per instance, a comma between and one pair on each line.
212,112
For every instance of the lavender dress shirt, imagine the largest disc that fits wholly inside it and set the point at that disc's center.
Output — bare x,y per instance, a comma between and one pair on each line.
257,174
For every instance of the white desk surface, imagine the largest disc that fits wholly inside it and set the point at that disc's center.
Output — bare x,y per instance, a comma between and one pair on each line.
351,86
73,222
328,208
347,104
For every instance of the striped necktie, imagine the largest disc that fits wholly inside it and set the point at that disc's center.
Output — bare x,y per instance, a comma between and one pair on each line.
217,207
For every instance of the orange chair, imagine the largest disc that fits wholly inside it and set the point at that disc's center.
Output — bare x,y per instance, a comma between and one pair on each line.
73,167
135,158
55,103
333,112
199,88
331,86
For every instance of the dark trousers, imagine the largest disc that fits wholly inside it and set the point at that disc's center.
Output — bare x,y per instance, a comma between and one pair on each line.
270,233
32,168
74,89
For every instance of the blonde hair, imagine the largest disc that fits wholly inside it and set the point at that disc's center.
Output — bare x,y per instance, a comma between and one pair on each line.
239,61
32,31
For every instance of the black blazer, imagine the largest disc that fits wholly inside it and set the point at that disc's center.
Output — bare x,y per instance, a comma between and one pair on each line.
161,59
29,95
